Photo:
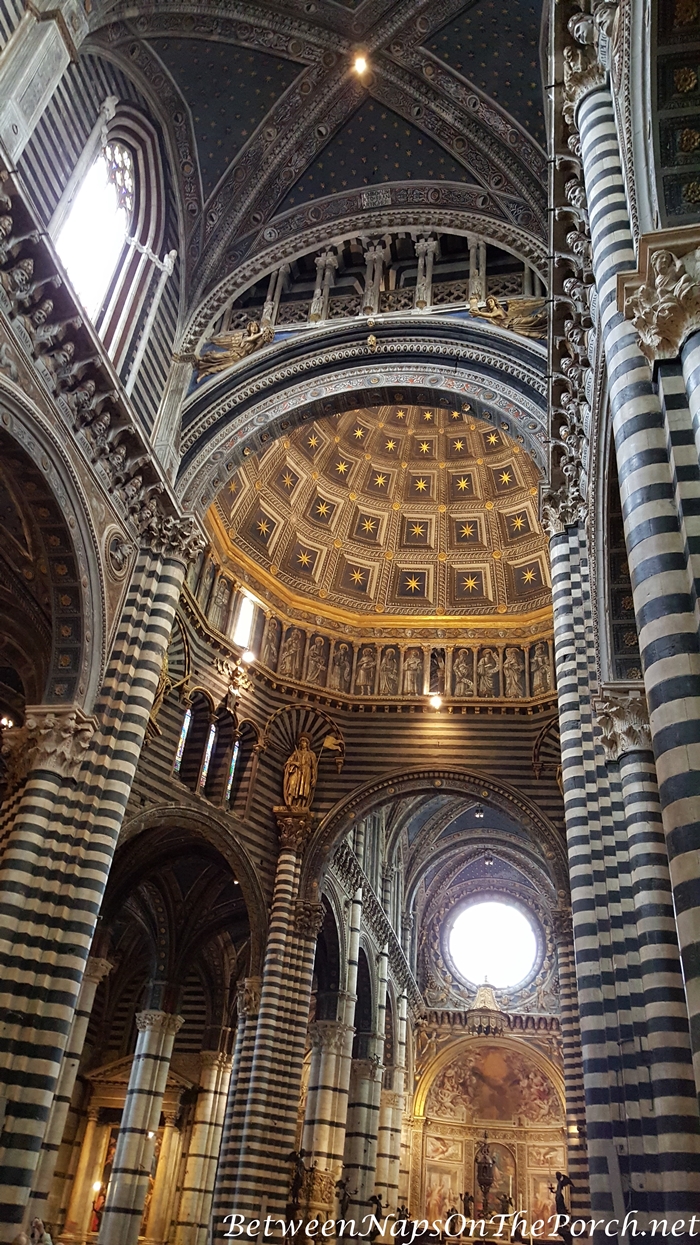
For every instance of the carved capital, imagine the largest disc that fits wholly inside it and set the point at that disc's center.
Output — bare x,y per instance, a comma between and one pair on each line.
308,919
583,72
665,305
624,724
180,538
249,992
328,1035
318,1187
96,969
54,737
159,1022
563,508
562,926
294,828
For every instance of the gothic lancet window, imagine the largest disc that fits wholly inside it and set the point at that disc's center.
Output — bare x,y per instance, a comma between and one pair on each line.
91,242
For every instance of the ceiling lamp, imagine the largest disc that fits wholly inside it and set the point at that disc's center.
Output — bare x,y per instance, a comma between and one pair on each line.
248,656
479,812
360,64
436,702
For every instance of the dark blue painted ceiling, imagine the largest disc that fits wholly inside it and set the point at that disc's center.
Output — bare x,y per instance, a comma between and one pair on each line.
496,46
375,146
229,91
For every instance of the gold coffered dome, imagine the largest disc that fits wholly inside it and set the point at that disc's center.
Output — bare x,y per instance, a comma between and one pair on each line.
407,512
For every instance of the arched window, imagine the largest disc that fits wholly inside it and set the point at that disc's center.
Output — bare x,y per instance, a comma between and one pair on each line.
96,229
196,743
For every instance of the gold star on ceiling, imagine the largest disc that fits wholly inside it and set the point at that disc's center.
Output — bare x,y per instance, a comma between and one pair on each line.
263,527
518,522
357,576
467,529
288,480
456,415
400,414
492,438
470,583
505,477
391,445
341,467
529,576
417,529
232,487
368,525
380,480
424,447
427,415
312,442
463,484
458,445
322,509
412,584
304,558
359,433
421,485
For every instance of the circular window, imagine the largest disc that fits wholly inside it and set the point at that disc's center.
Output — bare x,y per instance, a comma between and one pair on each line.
494,942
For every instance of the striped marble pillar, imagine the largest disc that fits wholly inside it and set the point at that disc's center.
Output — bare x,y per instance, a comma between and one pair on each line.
63,822
247,1004
577,1155
193,1211
386,1183
664,608
160,1213
328,1039
80,1205
627,741
214,1145
126,1196
683,460
360,1160
95,971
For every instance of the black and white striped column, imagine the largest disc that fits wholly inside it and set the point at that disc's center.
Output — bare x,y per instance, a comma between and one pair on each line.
360,1159
664,609
58,852
126,1196
248,1004
577,1153
195,1198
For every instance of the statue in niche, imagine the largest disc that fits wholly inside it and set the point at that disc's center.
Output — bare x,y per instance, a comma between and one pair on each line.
514,673
413,673
462,673
389,673
487,672
230,348
366,669
437,670
341,669
219,605
290,656
300,775
269,653
316,661
541,673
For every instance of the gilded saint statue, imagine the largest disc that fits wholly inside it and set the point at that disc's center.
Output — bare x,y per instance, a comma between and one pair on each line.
230,348
300,774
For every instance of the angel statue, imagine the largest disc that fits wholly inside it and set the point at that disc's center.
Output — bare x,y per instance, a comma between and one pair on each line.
300,774
527,316
230,348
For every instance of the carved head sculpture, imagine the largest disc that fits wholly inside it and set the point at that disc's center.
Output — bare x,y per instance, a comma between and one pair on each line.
41,313
5,226
582,27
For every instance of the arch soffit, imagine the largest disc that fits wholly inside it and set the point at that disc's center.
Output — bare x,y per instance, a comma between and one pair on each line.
216,833
262,257
460,1045
210,463
527,862
462,783
30,429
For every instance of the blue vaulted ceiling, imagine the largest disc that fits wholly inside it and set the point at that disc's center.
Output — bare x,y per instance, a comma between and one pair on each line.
229,91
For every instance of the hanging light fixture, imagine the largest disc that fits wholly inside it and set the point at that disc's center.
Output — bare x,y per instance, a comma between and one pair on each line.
479,812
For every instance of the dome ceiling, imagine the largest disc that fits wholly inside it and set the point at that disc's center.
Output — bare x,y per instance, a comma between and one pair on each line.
407,512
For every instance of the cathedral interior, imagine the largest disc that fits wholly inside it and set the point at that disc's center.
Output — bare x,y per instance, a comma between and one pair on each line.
349,623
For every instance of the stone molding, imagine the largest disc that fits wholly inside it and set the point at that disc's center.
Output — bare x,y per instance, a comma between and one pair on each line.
54,738
623,722
159,1022
662,298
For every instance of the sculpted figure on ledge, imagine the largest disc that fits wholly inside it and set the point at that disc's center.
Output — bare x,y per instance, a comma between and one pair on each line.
300,774
230,348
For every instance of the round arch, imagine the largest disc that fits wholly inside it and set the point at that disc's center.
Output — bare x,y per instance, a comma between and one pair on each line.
29,429
459,782
216,832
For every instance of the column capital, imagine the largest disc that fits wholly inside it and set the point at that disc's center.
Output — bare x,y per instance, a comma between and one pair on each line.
662,298
54,738
329,1035
562,926
294,828
215,1059
308,919
159,1022
563,507
174,537
623,721
96,969
249,992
